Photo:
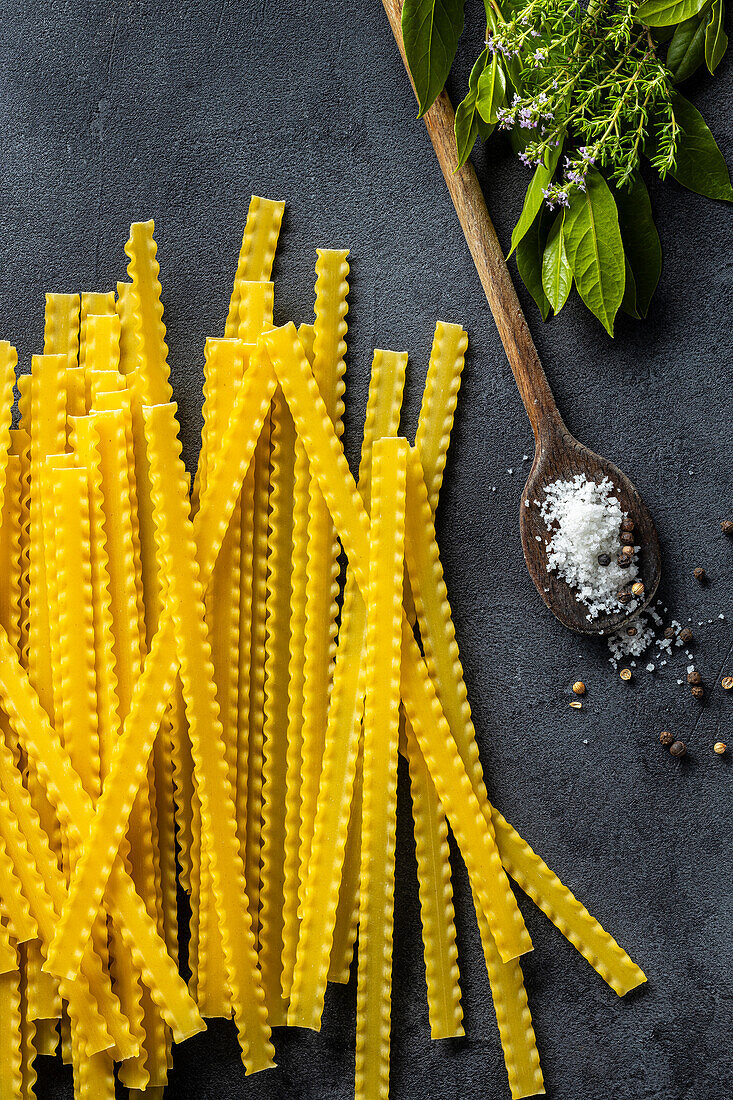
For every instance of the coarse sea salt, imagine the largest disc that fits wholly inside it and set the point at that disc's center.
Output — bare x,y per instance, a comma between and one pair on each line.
584,521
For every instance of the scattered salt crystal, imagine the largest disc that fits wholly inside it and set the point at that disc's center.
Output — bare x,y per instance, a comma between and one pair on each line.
690,668
584,519
650,667
585,740
526,504
525,458
510,470
679,681
721,615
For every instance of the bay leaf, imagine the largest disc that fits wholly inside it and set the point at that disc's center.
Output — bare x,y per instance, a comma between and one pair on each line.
469,124
686,51
594,248
491,90
534,197
641,241
665,13
716,40
557,278
430,30
529,261
700,165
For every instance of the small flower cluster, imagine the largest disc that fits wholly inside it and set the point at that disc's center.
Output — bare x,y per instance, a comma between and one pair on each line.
528,114
496,45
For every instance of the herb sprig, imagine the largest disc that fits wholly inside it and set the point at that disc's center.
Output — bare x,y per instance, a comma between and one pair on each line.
586,93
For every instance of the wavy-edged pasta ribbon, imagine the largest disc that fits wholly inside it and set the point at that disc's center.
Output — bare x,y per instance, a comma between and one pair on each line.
379,807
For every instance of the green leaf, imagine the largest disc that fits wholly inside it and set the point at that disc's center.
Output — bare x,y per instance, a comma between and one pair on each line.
628,302
700,165
529,261
641,241
664,13
491,90
534,198
686,51
594,248
557,278
716,40
469,124
430,30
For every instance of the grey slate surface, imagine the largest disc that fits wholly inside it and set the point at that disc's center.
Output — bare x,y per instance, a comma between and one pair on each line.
118,112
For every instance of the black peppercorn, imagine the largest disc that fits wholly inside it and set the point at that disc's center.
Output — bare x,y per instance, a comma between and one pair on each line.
697,692
627,537
694,677
624,562
627,524
699,573
604,559
726,526
623,596
631,631
678,748
666,737
670,632
686,635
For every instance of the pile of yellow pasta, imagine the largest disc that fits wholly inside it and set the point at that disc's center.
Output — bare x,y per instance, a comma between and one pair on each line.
172,674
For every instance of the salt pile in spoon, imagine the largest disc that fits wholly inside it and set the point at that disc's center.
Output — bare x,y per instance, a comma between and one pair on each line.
584,519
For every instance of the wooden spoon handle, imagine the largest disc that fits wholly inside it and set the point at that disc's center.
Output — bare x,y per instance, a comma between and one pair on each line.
488,257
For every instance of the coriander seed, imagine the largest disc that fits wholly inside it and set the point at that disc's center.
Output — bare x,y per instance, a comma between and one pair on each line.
628,551
625,673
579,687
699,573
678,748
719,747
726,526
694,677
637,589
697,692
666,737
686,635
727,683
576,704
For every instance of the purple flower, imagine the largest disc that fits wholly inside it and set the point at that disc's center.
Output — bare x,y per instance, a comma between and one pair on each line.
562,198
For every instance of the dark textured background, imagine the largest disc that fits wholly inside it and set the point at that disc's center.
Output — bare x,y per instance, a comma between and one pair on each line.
118,112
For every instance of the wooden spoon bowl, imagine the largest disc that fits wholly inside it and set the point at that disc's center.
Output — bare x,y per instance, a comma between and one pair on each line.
559,456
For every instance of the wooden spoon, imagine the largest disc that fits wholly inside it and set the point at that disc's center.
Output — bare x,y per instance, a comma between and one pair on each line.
557,453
